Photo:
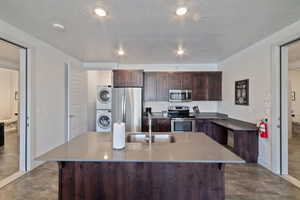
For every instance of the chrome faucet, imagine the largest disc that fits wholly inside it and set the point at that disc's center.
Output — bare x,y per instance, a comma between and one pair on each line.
150,127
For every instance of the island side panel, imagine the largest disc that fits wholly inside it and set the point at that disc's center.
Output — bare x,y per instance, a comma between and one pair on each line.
246,145
66,180
137,180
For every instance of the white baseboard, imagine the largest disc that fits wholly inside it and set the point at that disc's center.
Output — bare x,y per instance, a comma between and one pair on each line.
11,178
264,164
292,180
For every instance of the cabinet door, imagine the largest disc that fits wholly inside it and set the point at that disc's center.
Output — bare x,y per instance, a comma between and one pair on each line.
200,86
128,78
162,89
214,86
174,80
187,81
145,126
150,86
203,125
164,125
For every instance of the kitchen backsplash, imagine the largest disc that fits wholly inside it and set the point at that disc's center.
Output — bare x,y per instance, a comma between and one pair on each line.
204,106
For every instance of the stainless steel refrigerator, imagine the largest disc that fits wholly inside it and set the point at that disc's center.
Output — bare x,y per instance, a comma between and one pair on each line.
127,107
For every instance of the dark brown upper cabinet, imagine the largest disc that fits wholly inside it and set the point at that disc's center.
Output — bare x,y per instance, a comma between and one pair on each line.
128,78
186,83
214,86
174,80
205,86
200,86
150,86
162,86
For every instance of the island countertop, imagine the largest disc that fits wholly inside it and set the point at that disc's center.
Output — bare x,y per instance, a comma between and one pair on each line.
97,147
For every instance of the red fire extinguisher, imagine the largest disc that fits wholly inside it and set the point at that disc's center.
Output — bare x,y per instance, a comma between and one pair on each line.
263,129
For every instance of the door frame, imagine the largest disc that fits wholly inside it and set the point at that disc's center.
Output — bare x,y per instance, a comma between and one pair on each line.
279,106
24,107
67,102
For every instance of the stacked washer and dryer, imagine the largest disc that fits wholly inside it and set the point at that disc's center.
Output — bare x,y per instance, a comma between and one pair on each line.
104,109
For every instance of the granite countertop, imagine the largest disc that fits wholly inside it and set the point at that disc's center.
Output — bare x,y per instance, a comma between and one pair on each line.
208,115
204,115
97,147
236,125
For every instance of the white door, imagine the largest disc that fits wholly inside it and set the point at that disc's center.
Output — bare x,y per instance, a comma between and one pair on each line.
76,100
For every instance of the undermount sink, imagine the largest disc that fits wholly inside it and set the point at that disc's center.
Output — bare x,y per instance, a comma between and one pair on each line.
156,138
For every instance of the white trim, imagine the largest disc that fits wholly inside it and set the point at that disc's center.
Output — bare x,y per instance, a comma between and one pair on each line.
275,107
22,110
99,65
276,118
292,180
67,102
11,178
30,119
284,107
263,163
152,67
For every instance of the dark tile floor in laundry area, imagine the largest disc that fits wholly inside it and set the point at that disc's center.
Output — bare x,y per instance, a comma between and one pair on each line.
294,156
9,155
243,182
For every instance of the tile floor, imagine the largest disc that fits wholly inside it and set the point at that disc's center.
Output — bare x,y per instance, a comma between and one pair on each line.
9,155
294,156
243,182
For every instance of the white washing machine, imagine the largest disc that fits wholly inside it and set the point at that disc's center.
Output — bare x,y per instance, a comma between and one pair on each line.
103,121
104,97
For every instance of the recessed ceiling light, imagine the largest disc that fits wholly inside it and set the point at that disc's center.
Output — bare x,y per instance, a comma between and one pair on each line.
58,27
181,11
100,12
121,52
180,52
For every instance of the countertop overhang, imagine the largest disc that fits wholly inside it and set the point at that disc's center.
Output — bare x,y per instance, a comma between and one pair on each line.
97,147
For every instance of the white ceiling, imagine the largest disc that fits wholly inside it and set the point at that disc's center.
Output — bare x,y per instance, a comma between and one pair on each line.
148,30
9,56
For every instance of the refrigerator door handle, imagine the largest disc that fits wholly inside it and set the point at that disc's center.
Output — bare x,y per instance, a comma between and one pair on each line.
124,108
122,104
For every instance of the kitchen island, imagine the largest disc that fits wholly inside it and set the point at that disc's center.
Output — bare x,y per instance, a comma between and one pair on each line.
191,166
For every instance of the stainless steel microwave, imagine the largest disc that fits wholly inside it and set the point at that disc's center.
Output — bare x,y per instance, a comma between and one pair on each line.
180,95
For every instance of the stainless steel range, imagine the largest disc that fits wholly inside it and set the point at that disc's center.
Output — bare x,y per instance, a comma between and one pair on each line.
181,121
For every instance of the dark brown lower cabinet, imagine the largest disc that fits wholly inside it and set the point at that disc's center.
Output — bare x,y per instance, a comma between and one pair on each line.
2,136
158,125
141,181
245,142
203,125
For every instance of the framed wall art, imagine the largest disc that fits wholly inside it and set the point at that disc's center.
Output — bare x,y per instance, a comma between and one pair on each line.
242,92
293,96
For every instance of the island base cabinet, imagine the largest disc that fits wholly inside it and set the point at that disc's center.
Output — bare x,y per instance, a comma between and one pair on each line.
246,145
140,181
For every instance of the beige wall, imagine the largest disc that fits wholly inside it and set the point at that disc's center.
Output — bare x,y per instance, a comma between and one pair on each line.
294,77
8,86
95,77
47,92
254,63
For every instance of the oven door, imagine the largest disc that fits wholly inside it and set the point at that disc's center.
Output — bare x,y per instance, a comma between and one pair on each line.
182,125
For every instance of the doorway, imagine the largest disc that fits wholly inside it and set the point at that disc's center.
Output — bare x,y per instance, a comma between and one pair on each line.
291,107
13,110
